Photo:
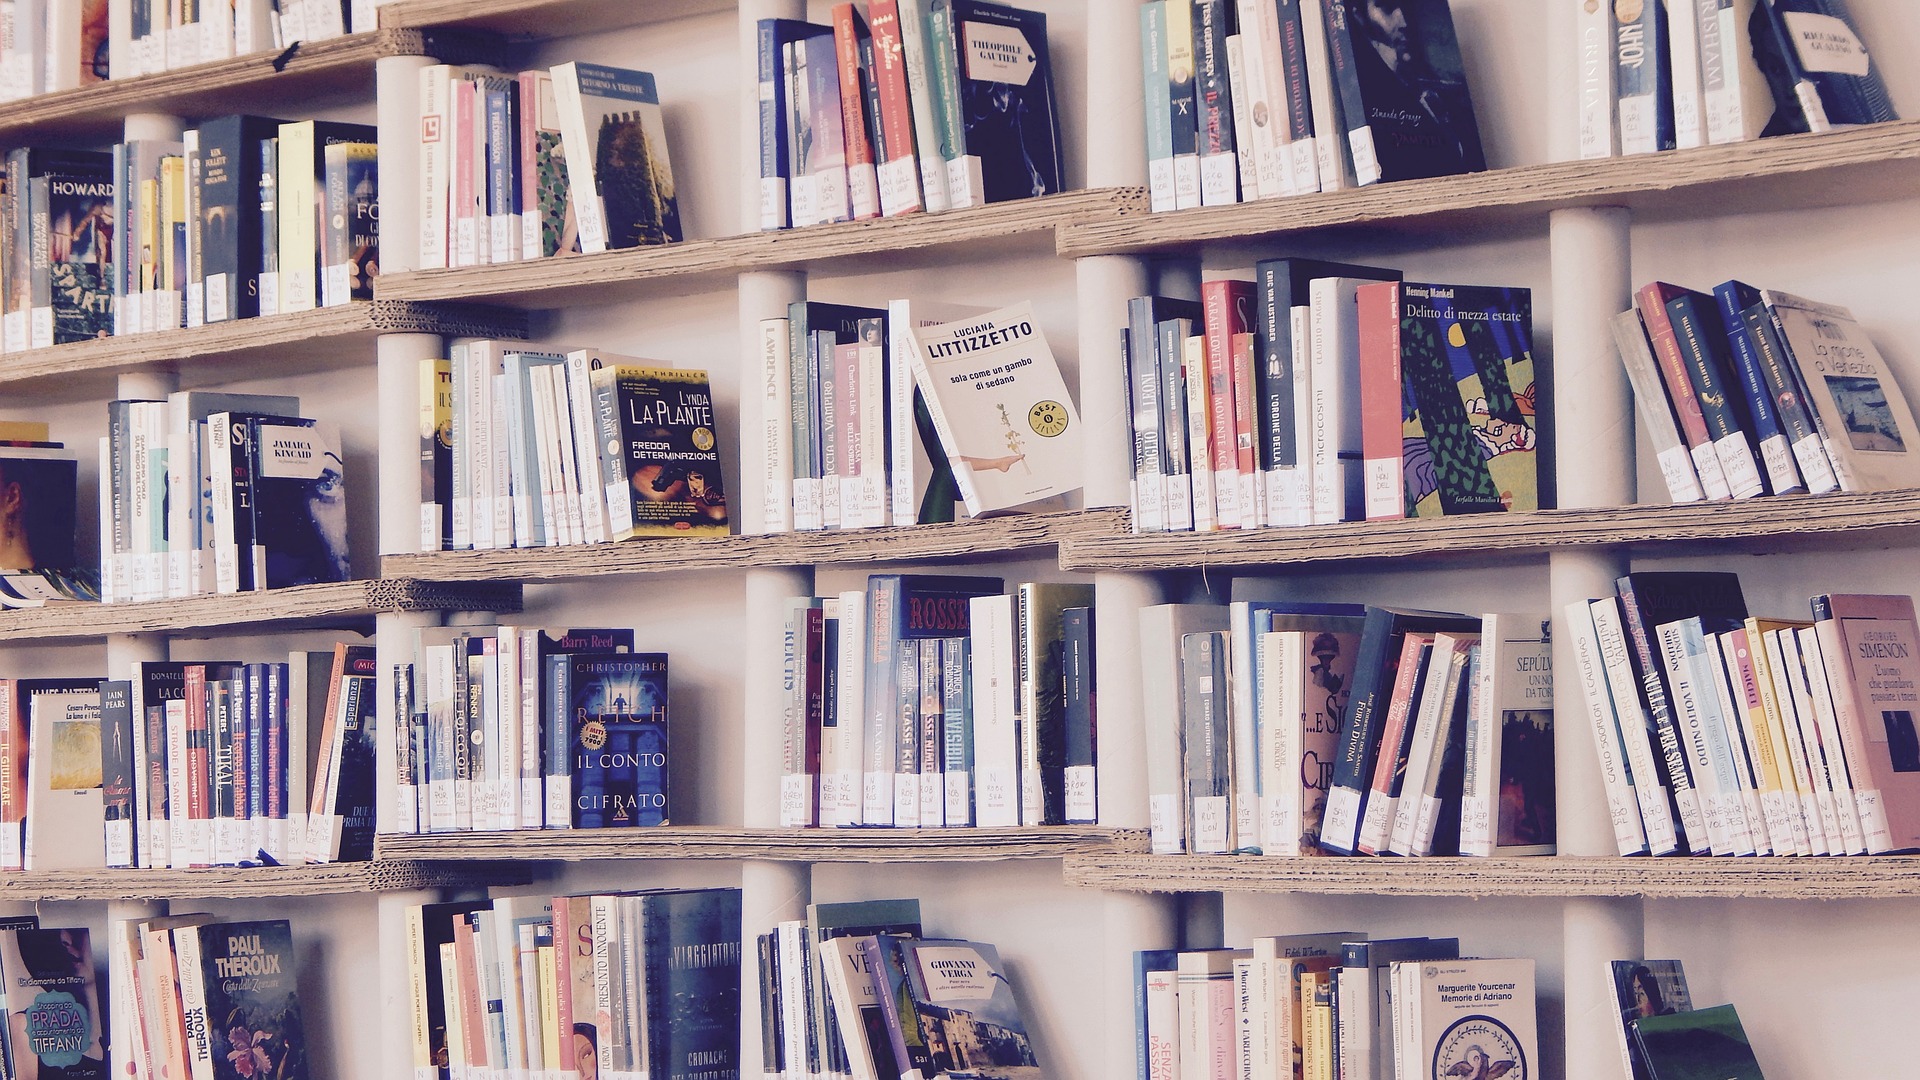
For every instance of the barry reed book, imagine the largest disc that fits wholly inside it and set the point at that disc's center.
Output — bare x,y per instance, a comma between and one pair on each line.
1001,408
661,458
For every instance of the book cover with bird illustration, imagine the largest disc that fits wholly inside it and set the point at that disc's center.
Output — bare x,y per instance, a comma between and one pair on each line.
1476,1019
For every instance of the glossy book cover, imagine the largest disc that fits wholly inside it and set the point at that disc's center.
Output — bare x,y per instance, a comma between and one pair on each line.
1469,433
251,977
968,1013
617,710
52,1004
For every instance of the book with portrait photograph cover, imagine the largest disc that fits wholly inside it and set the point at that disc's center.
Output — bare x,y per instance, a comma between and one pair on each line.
659,454
38,507
299,504
1402,89
1644,988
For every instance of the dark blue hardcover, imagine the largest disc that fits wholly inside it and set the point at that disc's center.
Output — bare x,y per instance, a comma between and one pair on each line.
1007,99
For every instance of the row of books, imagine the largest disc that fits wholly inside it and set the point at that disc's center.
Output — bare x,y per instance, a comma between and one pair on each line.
190,764
1257,99
1321,392
1721,733
640,984
925,701
1679,75
523,447
902,106
1283,728
854,992
512,727
52,45
160,234
496,182
892,416
1323,1006
205,998
211,492
1753,391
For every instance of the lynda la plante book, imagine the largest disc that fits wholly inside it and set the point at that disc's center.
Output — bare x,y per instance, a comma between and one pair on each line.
617,712
660,456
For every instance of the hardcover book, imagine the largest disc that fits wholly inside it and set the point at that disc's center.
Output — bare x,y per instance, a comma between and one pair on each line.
617,718
1403,89
1706,1044
617,165
1646,988
1012,133
231,232
662,469
65,799
52,1001
250,975
1001,408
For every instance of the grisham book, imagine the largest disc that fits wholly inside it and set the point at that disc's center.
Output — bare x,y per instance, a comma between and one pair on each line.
617,728
1011,129
52,1002
662,465
250,977
618,170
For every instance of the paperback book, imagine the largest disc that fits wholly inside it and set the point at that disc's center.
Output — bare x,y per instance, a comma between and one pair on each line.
618,170
662,459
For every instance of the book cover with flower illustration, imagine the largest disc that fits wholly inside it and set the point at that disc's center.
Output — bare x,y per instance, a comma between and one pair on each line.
1001,408
52,1005
250,979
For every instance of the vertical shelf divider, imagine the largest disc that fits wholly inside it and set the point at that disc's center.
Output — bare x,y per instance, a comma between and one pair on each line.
1116,156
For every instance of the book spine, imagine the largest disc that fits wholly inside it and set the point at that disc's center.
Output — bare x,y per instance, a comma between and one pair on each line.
1655,411
1246,431
193,1001
773,127
1682,27
1149,444
966,184
1698,724
1847,823
1082,793
914,42
1219,162
1797,721
1159,105
1610,647
906,733
863,184
1653,690
1745,675
1680,391
1261,128
996,754
269,252
1209,776
1345,78
957,756
1629,834
1643,83
1286,56
1183,104
1850,716
1796,416
1381,411
1749,371
899,174
299,217
1599,135
1200,434
195,277
1220,301
1726,427
503,157
932,734
1175,439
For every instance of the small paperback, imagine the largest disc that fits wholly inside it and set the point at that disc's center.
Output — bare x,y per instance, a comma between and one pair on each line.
1644,988
1468,1018
52,1003
967,1012
1001,408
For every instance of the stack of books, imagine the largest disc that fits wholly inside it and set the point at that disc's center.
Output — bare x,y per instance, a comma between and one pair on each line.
926,701
1291,729
853,990
1757,392
902,106
497,183
1294,1006
513,727
1252,99
1723,733
526,448
642,984
1678,75
203,991
158,235
1321,392
212,492
185,765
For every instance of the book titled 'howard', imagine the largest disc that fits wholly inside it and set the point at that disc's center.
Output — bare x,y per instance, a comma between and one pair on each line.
617,715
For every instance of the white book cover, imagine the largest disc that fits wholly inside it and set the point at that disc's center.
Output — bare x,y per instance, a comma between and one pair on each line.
776,441
1869,430
1696,712
996,730
1593,27
1807,728
1273,158
1471,1018
1001,408
1589,675
1803,808
1847,820
1683,51
1734,722
66,804
1335,397
1635,726
1739,102
914,42
845,744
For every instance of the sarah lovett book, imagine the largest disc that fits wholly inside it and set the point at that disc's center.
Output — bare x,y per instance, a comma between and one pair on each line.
1001,408
618,171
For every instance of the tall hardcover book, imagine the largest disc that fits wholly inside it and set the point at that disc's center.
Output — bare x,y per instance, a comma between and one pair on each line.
299,505
618,169
662,472
1011,133
230,228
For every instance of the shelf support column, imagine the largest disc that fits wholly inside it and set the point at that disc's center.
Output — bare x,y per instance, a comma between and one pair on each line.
1593,442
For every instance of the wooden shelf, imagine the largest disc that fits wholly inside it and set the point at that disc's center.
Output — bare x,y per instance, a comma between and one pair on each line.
1849,167
380,875
254,611
324,338
967,540
1762,524
784,845
297,79
543,18
676,268
1761,877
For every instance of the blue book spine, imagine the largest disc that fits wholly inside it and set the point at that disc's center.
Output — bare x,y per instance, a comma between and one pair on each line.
773,130
1769,433
274,758
1644,81
1790,399
500,155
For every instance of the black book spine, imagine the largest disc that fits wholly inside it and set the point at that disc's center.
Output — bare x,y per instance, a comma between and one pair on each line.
1210,78
266,274
1081,804
116,769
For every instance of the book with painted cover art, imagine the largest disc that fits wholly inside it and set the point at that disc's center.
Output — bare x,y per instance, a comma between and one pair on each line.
350,257
1705,1044
38,507
618,171
1644,988
299,504
52,1004
249,974
617,712
1011,130
81,240
1865,421
66,798
1001,408
968,1014
661,457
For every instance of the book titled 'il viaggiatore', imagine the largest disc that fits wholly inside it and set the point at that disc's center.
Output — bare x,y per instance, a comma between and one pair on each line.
659,457
1001,408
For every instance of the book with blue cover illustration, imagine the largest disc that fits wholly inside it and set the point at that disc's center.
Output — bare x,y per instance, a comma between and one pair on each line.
617,716
52,1005
1468,440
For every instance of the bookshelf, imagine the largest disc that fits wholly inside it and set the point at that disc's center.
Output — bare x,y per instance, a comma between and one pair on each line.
1817,213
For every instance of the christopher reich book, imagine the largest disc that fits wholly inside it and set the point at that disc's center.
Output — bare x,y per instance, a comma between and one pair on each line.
660,458
617,710
620,178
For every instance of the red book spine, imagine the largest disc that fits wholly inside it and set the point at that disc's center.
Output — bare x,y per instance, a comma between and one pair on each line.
900,178
1381,417
1652,302
1393,738
1246,433
199,765
1227,308
853,110
528,197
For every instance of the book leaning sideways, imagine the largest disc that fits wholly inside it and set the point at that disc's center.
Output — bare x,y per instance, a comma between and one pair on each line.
1001,408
